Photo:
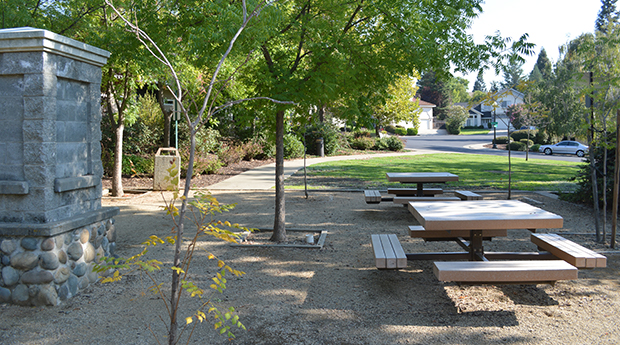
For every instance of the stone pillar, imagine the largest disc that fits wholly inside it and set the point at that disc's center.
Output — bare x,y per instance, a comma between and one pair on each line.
52,224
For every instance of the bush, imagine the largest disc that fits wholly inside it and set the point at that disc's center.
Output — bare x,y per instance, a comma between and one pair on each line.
231,154
137,165
534,148
293,147
390,129
362,132
362,143
394,143
412,131
333,140
526,143
400,131
501,140
541,137
381,144
523,134
516,146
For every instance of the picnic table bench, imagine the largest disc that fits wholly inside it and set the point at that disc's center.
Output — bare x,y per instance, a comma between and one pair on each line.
467,195
389,254
405,200
414,191
505,272
569,251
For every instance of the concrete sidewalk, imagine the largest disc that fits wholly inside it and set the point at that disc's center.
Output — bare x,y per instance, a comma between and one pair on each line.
264,177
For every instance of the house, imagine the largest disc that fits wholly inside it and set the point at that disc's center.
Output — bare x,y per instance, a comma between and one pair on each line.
486,112
425,117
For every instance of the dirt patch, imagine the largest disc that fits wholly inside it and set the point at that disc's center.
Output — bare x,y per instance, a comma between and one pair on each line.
334,295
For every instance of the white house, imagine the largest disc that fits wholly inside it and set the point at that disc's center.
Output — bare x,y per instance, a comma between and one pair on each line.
425,117
496,111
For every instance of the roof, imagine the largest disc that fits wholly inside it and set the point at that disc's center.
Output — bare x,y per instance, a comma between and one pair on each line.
426,104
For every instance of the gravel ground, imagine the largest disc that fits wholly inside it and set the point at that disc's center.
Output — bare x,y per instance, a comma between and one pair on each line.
334,295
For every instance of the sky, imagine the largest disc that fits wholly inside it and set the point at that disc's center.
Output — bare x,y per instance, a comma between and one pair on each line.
549,23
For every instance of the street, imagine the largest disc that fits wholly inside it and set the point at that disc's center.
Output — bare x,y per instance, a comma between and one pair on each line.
472,144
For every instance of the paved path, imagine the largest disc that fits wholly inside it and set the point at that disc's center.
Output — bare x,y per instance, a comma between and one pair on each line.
264,177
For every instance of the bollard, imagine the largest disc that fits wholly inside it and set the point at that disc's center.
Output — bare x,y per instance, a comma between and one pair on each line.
320,151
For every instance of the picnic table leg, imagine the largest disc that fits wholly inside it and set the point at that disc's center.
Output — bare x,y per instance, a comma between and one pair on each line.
420,189
476,248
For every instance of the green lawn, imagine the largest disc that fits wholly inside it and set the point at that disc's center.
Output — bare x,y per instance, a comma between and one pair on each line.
474,171
474,131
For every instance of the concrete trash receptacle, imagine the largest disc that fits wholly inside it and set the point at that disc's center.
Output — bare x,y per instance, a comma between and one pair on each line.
166,158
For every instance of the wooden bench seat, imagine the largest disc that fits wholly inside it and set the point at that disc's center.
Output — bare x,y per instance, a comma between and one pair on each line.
505,272
418,231
389,254
569,251
467,195
406,199
414,191
372,196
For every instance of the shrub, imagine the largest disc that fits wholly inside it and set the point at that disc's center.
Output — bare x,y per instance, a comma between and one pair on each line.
137,165
541,137
501,140
412,131
362,132
523,134
526,143
362,143
534,148
517,146
333,140
231,154
390,129
381,144
400,131
394,143
293,147
205,163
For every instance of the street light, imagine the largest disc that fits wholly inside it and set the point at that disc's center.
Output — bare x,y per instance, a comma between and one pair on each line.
494,129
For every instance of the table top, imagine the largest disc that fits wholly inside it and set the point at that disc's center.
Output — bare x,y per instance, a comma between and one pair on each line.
420,177
483,215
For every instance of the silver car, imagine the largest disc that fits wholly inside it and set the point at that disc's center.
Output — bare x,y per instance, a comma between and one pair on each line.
566,146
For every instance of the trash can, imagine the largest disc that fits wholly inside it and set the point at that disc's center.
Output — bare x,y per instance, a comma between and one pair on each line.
165,159
320,151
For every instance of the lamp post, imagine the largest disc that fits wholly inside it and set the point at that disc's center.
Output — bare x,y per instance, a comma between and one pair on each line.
494,129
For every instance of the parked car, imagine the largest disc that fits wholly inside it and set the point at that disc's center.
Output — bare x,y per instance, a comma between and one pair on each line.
566,146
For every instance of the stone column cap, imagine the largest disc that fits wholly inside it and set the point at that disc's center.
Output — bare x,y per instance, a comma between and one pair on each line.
27,39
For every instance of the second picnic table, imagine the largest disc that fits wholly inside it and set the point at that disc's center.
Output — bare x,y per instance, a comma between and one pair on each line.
420,178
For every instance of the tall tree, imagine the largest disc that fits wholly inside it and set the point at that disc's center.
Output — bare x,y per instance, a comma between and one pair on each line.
432,89
535,76
479,85
606,15
513,74
400,103
544,64
329,50
457,89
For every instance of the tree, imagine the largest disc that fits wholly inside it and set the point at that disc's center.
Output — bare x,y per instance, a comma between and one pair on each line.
232,16
400,104
457,89
329,51
513,74
479,85
606,15
456,116
536,76
544,64
433,90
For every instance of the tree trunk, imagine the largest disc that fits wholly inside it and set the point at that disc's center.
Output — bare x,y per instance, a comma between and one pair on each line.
117,174
279,229
594,182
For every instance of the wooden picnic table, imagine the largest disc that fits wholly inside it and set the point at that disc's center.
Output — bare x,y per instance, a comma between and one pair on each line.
478,217
420,178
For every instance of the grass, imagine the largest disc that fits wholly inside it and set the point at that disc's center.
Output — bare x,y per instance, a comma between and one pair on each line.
474,131
474,171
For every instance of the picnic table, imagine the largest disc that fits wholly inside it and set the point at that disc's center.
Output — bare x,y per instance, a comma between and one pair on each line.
420,178
477,220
